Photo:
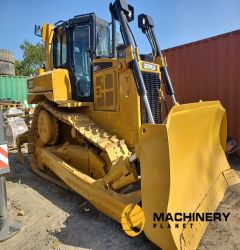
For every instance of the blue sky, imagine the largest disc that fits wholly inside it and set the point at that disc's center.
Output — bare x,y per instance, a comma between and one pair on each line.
177,21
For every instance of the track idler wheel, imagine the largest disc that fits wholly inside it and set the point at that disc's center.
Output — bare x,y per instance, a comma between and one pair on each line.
48,128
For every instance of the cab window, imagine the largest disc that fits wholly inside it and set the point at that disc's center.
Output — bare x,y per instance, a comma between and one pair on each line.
82,61
103,48
59,49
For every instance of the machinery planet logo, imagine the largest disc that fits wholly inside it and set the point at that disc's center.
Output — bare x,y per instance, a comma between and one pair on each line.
132,220
184,220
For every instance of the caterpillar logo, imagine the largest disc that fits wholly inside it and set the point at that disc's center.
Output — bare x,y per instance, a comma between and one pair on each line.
132,220
149,66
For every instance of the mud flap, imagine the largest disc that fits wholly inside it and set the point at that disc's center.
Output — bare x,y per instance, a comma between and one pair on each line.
184,170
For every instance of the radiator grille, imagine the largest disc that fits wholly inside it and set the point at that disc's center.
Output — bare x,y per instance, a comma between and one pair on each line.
152,84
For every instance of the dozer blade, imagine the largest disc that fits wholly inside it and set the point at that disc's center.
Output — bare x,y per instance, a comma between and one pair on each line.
184,170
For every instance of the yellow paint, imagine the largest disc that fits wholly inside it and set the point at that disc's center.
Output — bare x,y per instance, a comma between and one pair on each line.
133,220
40,71
182,163
81,158
89,188
47,35
160,60
56,82
46,127
122,118
129,54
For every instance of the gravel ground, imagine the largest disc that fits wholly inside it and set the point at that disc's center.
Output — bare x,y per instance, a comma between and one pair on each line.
55,218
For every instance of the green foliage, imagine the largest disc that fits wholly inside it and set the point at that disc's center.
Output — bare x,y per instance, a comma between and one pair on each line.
33,58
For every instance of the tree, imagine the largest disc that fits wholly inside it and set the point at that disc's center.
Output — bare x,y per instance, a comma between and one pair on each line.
33,58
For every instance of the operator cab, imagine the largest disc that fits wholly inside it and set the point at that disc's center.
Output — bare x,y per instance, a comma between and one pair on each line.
76,43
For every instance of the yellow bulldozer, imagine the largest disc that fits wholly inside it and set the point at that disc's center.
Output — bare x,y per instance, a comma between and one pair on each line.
103,128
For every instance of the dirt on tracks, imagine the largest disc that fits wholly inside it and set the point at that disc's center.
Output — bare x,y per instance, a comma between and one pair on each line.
55,218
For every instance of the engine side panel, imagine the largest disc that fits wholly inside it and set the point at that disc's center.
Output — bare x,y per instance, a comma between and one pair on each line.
52,85
116,102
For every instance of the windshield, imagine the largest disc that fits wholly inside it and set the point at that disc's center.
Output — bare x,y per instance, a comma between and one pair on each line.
103,48
81,44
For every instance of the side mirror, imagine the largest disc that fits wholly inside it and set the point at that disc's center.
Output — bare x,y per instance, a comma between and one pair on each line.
145,22
130,16
122,5
38,30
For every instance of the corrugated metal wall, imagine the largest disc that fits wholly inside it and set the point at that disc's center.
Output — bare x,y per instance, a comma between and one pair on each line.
208,70
13,88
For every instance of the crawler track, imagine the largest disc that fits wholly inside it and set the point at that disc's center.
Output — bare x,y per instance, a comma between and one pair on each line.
113,147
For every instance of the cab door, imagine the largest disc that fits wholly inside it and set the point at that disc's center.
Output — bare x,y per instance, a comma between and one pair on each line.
82,69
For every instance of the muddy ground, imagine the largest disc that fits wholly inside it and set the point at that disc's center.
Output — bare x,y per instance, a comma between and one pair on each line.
55,218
